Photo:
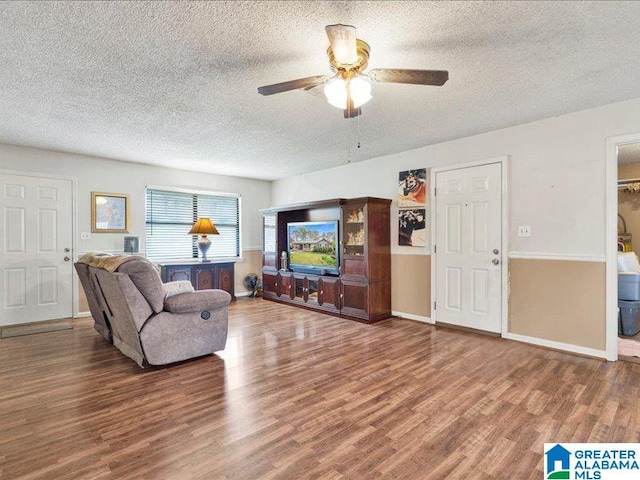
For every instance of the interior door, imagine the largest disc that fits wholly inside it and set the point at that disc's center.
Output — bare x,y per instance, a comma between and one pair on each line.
36,267
468,247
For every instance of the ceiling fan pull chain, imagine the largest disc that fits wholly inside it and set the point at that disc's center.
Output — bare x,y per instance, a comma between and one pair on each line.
349,105
349,143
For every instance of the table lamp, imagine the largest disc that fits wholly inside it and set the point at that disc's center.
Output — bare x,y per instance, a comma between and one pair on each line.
204,227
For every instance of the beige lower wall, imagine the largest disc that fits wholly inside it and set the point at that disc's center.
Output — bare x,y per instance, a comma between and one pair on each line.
561,301
411,284
252,263
83,305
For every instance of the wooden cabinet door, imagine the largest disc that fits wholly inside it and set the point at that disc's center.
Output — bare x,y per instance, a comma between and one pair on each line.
270,241
313,290
285,287
299,283
354,241
329,293
225,278
173,274
269,285
204,278
355,299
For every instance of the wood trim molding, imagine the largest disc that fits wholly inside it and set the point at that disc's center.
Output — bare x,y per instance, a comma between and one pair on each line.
415,251
571,257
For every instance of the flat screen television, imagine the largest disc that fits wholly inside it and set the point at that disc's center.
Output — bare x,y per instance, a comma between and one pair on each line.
313,247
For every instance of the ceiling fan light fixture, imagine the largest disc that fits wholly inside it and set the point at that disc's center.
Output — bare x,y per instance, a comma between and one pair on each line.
336,91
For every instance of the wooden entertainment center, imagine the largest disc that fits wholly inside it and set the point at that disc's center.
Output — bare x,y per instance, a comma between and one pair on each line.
362,290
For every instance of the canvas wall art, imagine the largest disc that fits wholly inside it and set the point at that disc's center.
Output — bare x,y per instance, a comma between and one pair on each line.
412,188
412,230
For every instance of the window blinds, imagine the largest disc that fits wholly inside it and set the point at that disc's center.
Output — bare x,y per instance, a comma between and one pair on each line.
170,215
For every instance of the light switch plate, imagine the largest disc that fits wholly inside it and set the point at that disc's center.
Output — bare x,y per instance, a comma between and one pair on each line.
524,230
85,236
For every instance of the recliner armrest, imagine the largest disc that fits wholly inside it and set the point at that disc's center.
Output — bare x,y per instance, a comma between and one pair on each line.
192,302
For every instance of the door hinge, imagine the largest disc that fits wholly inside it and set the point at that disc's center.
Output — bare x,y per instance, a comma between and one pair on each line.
435,249
434,305
435,191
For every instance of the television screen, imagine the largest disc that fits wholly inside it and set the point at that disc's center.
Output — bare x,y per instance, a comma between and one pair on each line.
314,245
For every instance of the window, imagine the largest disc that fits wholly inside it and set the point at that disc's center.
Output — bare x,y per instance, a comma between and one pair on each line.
172,213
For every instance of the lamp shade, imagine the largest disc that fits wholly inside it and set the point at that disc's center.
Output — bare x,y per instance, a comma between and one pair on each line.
204,226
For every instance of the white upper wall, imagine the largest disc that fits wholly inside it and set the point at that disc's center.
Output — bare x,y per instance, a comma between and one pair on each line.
95,174
556,177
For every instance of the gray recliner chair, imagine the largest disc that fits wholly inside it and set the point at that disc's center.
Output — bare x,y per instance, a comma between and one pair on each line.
97,306
153,330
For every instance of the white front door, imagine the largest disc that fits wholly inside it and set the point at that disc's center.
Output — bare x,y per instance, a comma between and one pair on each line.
469,247
35,249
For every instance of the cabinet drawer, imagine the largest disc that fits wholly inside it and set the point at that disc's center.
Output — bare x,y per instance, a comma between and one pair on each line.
354,267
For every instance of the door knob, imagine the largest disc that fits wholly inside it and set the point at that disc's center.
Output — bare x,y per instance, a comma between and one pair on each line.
495,261
66,259
496,251
67,249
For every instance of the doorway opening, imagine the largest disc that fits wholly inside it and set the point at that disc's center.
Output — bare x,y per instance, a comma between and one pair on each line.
628,249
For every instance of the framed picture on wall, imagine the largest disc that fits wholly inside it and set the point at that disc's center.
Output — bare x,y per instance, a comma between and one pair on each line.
109,212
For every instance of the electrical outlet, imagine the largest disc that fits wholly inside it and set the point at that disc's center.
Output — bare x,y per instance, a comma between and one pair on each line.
524,230
85,236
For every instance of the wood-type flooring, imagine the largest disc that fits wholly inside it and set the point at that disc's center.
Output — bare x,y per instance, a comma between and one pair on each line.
298,394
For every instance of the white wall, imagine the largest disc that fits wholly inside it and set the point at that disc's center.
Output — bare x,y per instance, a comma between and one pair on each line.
95,174
557,177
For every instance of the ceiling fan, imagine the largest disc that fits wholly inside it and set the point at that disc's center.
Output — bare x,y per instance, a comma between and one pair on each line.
350,87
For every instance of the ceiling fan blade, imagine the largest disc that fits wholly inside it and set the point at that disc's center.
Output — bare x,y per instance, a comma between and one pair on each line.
343,43
316,91
417,77
307,82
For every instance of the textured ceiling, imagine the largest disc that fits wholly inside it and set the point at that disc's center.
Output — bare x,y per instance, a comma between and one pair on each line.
174,83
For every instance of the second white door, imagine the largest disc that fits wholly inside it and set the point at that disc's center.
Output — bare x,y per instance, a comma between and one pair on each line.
469,247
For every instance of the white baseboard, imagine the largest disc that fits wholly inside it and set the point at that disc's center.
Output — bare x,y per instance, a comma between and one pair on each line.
243,294
567,347
411,316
